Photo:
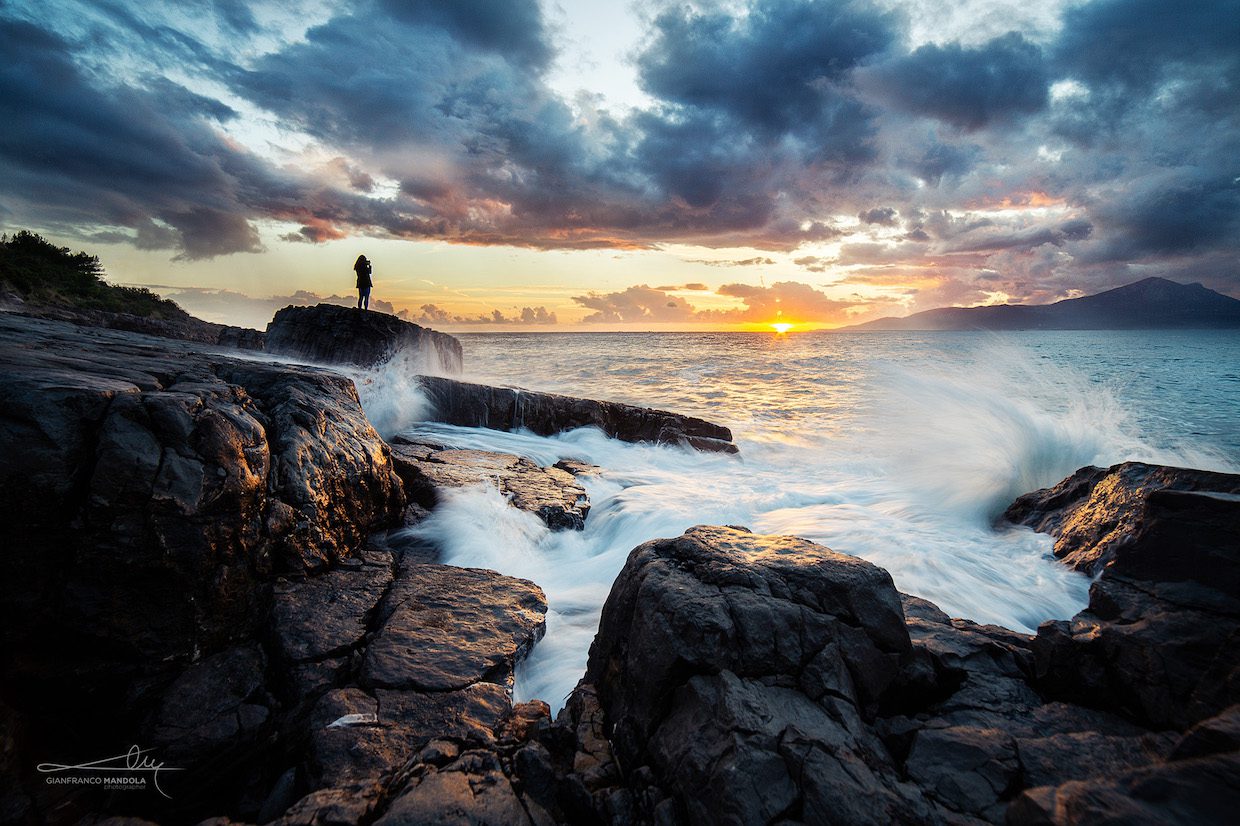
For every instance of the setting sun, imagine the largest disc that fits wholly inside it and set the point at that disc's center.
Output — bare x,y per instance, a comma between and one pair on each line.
781,327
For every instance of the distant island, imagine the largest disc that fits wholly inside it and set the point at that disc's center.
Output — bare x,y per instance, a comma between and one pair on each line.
1152,303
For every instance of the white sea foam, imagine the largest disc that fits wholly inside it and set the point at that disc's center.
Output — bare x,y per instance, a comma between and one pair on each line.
390,394
899,457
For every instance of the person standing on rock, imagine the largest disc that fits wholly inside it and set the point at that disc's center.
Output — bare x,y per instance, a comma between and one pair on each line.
362,268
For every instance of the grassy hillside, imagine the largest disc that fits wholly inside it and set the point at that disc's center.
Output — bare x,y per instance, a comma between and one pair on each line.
45,274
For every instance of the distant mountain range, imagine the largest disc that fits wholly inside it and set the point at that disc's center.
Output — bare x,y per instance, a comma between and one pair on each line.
1153,303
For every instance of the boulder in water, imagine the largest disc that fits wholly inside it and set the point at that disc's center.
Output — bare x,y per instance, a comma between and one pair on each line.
750,678
509,408
1159,638
550,492
330,334
1096,512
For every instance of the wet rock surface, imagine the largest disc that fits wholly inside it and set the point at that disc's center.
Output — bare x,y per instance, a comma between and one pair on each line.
329,334
196,558
149,491
428,470
183,326
1095,512
1159,637
422,732
445,628
717,712
740,672
508,408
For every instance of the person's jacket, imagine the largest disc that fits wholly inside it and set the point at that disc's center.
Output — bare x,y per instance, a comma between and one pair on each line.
363,275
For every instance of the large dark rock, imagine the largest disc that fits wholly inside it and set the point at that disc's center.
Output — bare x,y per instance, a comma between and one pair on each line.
149,493
429,715
329,334
742,678
148,489
742,671
550,492
510,408
1094,513
1160,640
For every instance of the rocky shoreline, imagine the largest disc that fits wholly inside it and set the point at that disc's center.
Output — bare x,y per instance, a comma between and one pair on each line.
205,555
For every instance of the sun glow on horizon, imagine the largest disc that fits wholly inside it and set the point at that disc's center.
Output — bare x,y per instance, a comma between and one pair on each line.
781,327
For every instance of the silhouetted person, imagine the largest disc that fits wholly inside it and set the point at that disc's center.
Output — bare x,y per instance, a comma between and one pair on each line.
362,268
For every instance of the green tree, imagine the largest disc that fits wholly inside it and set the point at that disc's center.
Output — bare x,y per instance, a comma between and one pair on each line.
43,273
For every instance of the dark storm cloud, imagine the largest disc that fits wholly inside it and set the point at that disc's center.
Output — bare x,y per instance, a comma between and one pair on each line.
1076,229
765,128
1172,217
205,232
967,87
510,164
147,158
884,216
942,160
772,70
133,29
514,28
1137,44
235,13
515,165
77,154
353,83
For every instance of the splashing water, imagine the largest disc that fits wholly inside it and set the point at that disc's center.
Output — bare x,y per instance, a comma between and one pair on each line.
898,449
390,394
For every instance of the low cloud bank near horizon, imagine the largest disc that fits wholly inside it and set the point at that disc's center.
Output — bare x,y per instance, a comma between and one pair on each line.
789,300
241,310
1077,150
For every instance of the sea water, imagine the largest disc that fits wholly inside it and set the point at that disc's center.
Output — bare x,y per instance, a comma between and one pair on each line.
900,448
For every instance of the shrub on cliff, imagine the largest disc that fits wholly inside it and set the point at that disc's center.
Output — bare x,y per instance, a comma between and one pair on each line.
43,273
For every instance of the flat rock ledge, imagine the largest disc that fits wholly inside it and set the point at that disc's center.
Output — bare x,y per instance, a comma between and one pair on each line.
510,408
428,470
329,334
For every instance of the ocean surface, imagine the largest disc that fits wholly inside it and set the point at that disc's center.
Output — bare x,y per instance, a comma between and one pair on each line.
901,448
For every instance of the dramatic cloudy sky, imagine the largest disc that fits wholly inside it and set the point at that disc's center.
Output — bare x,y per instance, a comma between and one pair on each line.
601,163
